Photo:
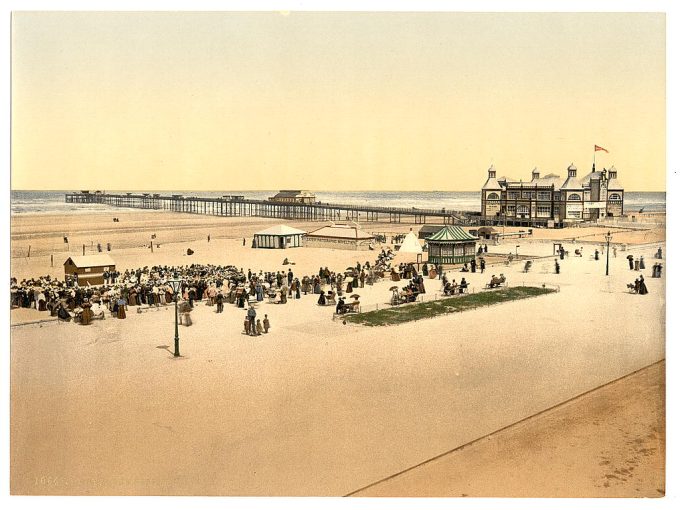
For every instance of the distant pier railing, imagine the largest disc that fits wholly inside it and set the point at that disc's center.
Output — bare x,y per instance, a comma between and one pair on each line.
231,205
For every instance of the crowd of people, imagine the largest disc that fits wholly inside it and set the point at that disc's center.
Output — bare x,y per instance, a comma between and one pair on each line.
215,285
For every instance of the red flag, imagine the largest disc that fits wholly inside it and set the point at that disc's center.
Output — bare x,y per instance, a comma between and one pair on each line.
598,148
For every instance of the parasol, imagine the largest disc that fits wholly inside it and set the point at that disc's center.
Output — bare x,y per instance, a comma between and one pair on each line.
355,296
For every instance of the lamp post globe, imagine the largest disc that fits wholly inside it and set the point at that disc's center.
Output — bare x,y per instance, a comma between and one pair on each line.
176,283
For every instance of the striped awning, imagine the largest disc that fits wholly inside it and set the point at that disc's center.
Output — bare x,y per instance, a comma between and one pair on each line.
452,234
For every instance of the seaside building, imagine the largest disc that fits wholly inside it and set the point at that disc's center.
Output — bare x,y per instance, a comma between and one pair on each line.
280,236
427,230
294,196
341,236
551,201
89,268
485,233
451,245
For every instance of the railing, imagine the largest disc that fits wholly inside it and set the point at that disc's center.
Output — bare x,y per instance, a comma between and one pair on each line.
103,198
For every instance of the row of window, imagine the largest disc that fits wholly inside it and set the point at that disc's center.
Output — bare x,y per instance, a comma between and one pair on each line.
541,210
513,195
447,249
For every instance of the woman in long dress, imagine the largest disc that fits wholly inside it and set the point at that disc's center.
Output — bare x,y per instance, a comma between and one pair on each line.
86,315
643,287
121,308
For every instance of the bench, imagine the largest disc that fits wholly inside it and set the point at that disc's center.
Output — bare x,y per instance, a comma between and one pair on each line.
498,286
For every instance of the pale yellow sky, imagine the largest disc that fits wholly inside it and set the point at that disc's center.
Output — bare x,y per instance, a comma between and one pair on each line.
351,101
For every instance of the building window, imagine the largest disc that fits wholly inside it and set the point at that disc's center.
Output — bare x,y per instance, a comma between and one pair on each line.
543,210
544,195
614,197
522,209
574,214
513,195
492,196
574,196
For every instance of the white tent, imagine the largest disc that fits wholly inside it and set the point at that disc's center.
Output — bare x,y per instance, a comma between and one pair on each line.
410,244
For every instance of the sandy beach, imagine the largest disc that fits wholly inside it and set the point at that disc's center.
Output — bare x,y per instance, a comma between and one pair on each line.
317,407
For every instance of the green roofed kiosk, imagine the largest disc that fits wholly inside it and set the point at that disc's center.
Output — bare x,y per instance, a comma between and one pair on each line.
451,245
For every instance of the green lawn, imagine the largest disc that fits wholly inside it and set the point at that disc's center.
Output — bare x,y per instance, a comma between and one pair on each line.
417,311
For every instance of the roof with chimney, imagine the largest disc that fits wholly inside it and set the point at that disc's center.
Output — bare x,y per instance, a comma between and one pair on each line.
551,179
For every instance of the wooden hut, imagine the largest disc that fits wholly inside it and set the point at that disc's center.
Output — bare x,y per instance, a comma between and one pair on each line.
451,245
429,230
280,236
485,232
89,268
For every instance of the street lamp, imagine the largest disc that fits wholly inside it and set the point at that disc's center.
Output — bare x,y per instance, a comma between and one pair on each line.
176,284
608,238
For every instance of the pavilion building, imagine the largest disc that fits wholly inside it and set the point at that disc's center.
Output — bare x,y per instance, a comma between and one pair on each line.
294,196
551,201
451,245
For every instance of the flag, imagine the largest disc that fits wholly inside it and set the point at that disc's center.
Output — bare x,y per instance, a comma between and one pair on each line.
598,148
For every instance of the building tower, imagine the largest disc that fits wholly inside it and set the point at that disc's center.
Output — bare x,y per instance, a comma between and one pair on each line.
491,198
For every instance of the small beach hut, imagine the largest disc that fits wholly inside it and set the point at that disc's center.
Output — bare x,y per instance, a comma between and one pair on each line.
428,230
485,232
89,268
451,245
340,236
410,244
280,236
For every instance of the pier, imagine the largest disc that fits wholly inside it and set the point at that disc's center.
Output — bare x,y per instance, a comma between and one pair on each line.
237,205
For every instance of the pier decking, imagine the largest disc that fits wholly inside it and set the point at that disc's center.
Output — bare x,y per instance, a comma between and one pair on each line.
236,205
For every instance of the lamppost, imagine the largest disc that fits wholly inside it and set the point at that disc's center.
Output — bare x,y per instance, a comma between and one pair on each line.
608,238
176,284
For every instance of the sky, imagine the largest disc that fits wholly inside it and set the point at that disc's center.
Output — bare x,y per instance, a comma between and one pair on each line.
333,101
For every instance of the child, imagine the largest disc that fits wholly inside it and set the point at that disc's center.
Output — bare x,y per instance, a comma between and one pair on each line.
265,323
258,325
246,325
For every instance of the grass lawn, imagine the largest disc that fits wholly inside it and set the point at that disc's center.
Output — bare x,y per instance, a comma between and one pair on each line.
417,311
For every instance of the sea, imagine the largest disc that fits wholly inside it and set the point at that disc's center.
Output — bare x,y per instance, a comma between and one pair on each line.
53,202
